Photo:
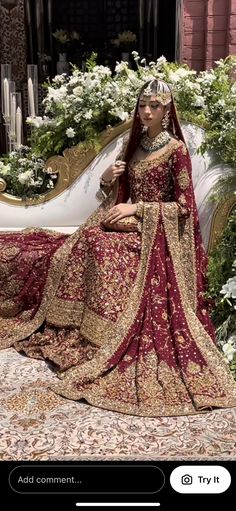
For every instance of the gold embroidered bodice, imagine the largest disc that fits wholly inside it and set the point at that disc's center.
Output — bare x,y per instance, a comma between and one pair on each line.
152,180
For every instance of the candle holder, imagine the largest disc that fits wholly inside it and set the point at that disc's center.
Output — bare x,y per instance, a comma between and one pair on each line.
16,127
32,81
5,91
10,144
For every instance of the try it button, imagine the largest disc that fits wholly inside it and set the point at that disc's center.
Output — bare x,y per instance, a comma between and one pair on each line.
200,479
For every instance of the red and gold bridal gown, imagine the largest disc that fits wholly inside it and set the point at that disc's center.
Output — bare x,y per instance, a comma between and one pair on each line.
121,314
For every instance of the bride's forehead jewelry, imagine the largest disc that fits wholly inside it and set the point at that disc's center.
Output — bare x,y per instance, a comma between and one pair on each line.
160,90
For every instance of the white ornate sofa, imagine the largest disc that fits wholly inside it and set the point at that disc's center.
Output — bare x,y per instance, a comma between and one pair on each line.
74,197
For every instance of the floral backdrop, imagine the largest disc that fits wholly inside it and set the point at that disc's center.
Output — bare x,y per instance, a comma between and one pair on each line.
79,106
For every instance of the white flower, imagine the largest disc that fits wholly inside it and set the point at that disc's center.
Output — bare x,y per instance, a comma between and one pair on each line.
35,121
135,56
77,91
102,70
199,102
4,169
88,115
180,74
59,78
121,114
221,103
24,177
1,165
121,66
233,88
70,132
206,78
161,60
73,80
57,95
232,340
229,351
229,289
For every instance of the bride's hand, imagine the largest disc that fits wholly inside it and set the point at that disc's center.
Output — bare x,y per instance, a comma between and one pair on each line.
120,211
113,171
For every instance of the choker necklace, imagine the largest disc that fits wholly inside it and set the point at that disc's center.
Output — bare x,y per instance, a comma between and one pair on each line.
153,144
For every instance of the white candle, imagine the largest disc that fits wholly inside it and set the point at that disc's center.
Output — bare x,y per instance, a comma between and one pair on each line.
31,98
18,126
13,116
6,112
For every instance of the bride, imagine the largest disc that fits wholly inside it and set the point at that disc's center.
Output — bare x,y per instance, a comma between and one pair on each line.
118,307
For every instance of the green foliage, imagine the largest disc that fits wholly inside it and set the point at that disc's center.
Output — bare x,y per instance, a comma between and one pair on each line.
80,106
26,175
220,269
91,62
219,89
87,102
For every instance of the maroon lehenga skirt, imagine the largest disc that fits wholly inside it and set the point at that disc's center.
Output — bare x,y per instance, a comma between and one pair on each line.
121,315
113,312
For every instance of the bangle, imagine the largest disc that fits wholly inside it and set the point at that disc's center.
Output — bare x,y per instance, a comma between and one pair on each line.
105,183
139,212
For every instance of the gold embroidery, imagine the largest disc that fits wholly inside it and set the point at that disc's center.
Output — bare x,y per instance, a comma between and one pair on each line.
63,312
94,327
188,258
193,368
145,384
8,253
13,330
91,370
161,158
183,179
219,371
9,309
182,200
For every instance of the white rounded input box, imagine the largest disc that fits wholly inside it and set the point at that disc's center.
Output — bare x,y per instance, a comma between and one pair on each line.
200,479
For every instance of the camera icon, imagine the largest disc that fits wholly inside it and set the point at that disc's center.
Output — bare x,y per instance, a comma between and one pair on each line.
186,479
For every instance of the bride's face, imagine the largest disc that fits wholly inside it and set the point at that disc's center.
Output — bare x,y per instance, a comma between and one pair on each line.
151,111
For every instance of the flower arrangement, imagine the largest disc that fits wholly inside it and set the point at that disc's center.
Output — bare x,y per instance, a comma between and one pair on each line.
228,342
78,107
222,290
125,40
64,38
25,175
88,101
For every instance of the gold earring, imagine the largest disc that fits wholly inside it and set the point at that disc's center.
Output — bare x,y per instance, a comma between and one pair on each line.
166,120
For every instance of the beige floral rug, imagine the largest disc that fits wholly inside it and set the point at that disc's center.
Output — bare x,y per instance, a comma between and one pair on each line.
36,424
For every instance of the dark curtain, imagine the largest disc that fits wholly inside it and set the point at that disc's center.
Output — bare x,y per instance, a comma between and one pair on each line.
38,14
157,20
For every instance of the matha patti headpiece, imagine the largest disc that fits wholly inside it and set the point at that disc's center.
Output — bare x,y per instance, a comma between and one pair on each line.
161,91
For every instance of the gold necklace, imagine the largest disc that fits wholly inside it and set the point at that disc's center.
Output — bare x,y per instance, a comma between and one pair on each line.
153,144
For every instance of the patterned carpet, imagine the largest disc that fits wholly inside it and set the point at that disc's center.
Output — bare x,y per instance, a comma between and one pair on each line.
36,424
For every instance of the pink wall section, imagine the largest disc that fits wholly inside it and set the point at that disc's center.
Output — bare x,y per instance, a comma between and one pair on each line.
209,32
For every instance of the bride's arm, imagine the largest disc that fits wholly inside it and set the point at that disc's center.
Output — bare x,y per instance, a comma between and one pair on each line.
181,170
110,175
